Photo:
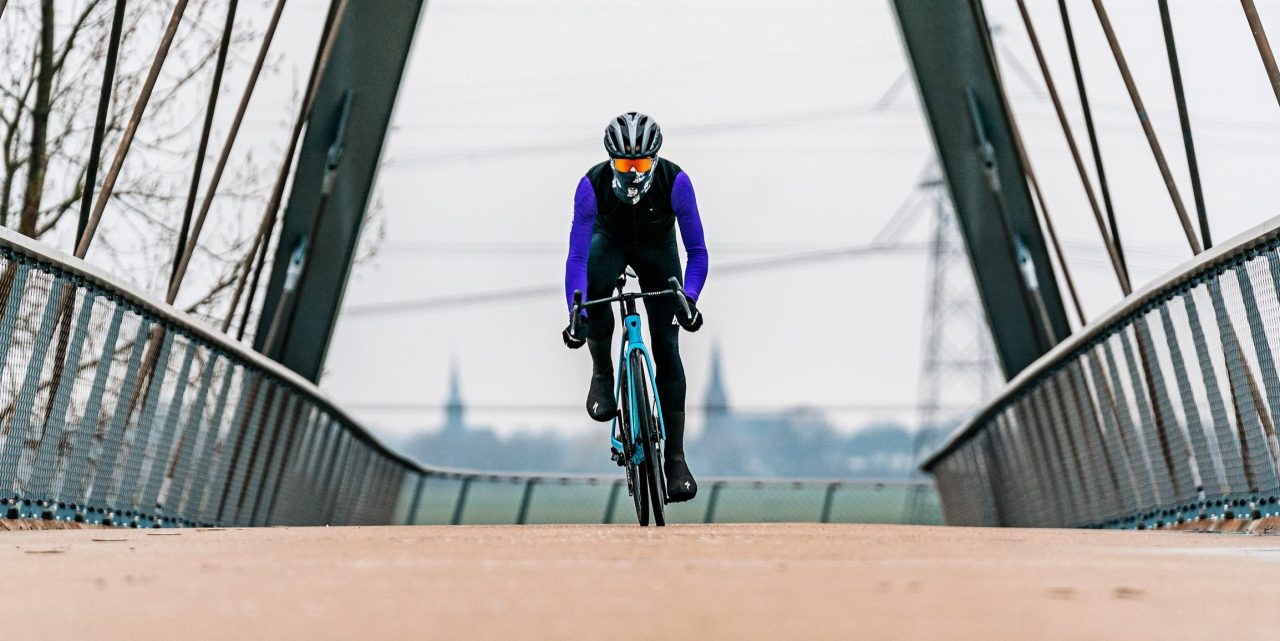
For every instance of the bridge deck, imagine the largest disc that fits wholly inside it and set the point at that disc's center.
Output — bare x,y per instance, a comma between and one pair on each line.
696,582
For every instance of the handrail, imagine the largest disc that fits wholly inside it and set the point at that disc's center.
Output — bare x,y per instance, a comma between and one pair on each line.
55,258
1163,287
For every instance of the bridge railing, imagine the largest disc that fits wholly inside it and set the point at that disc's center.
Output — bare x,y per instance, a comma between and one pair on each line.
1161,411
115,408
442,496
120,410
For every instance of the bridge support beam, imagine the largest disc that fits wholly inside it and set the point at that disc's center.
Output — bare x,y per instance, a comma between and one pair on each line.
332,182
950,48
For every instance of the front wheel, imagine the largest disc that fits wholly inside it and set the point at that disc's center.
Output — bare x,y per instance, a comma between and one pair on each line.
637,476
646,419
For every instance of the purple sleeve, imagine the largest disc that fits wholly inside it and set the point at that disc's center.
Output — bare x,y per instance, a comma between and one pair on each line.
695,245
584,219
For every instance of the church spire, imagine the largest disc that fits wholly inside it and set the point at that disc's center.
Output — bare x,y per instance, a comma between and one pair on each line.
717,400
454,410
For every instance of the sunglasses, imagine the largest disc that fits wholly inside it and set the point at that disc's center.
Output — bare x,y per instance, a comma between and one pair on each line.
627,165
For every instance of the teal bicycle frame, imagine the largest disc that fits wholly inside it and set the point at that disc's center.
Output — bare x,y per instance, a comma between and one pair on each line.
633,341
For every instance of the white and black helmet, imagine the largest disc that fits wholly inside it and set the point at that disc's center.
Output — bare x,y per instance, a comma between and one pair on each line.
633,135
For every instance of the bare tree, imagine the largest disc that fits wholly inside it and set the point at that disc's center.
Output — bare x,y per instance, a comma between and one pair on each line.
51,59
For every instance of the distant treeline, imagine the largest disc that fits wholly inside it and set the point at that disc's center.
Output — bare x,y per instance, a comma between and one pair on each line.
800,443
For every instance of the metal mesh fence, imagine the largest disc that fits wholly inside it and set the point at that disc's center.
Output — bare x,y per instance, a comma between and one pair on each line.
1162,411
118,410
444,497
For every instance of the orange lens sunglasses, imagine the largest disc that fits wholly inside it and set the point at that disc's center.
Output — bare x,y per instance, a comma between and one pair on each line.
626,165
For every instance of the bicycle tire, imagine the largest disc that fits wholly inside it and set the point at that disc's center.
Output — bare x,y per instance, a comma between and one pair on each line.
637,484
652,466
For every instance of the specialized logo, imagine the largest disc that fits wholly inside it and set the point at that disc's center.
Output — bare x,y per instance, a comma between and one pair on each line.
688,485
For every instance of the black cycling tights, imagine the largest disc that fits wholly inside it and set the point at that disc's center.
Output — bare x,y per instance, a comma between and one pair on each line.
654,262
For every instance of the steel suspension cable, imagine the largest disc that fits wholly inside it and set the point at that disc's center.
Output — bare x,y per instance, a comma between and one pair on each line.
255,260
214,89
1092,130
1122,274
1264,45
1185,121
104,101
100,124
1141,110
1048,221
109,183
180,266
259,247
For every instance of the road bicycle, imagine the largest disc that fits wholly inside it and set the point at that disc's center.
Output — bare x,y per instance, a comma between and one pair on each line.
637,431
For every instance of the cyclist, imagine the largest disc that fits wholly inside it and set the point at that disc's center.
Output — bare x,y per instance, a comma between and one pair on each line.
625,213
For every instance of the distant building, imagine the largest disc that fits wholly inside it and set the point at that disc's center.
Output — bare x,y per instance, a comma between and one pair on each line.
455,422
795,442
460,444
715,407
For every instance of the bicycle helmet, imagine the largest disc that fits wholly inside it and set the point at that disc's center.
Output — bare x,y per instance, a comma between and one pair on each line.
632,135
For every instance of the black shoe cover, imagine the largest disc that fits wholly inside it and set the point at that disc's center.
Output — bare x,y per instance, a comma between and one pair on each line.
600,403
680,484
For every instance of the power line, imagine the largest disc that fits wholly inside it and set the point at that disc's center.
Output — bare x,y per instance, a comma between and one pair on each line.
564,144
592,78
885,241
531,292
505,248
541,291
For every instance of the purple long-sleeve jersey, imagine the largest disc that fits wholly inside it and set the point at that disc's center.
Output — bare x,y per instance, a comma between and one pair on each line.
685,206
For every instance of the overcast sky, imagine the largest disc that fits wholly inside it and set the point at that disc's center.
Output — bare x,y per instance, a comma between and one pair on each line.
772,110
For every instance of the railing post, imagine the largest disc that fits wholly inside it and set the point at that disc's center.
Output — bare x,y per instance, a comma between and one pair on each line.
417,499
462,500
614,491
710,516
523,515
827,501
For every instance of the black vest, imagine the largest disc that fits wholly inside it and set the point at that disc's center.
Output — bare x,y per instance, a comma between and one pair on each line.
648,220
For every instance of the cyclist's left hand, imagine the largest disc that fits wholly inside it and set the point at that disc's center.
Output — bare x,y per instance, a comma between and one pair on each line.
693,322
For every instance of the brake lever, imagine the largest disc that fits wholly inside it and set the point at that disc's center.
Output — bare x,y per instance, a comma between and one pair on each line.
575,313
679,291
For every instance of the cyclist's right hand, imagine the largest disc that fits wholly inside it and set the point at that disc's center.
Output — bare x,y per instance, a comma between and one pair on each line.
572,340
575,335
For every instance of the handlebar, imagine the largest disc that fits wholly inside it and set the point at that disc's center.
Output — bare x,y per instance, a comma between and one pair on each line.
575,312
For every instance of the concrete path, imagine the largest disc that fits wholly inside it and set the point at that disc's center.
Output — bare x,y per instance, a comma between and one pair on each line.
623,582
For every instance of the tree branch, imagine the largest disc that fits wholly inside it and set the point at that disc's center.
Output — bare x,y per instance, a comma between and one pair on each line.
75,31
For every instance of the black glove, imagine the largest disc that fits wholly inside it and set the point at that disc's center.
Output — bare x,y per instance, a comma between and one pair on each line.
692,322
574,341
